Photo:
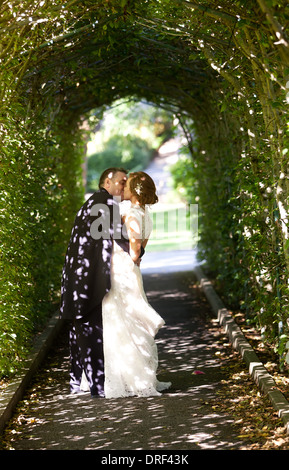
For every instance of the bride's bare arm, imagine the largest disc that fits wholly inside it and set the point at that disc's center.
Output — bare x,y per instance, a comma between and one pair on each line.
134,234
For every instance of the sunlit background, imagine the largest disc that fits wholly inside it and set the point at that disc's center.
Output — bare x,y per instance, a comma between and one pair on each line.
138,136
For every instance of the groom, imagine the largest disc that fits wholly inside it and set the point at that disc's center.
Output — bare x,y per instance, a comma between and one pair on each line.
86,278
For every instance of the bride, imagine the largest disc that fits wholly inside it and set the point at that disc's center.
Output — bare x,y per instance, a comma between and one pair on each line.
129,322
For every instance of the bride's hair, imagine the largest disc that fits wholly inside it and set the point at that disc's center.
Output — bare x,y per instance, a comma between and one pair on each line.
143,187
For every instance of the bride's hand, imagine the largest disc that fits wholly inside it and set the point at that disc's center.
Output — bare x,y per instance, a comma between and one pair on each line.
138,261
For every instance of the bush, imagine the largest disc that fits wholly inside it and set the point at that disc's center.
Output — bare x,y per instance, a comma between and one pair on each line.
129,152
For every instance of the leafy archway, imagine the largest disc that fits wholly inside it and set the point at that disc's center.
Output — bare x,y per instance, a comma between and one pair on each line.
223,66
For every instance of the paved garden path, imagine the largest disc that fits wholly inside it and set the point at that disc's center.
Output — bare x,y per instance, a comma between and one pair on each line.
52,419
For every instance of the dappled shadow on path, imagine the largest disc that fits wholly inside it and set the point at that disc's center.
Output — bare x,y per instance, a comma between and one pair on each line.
180,419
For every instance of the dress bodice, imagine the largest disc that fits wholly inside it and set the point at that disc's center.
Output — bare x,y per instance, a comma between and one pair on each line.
143,218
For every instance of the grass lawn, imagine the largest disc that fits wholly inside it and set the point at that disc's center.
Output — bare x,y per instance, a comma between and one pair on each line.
175,227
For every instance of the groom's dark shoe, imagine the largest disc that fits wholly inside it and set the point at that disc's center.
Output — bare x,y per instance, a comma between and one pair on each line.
97,391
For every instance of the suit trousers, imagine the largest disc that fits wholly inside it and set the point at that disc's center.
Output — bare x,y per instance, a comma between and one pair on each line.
86,352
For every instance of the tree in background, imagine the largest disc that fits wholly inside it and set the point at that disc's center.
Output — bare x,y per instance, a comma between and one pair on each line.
126,134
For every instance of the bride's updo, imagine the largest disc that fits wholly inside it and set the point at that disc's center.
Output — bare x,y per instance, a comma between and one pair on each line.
143,188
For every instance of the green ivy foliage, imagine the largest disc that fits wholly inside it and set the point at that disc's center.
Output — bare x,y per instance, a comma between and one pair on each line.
40,187
239,218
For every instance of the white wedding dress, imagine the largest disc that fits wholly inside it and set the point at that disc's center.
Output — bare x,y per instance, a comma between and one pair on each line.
129,327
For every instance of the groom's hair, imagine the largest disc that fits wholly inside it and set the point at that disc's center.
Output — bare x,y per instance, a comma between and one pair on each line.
110,173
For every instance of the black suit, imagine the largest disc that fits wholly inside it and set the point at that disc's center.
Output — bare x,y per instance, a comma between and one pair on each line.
85,281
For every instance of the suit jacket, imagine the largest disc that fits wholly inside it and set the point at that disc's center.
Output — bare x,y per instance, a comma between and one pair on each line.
86,271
